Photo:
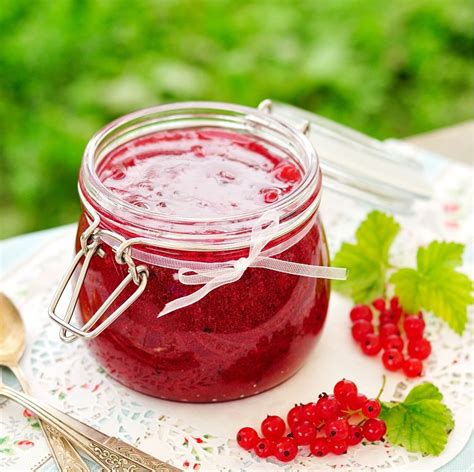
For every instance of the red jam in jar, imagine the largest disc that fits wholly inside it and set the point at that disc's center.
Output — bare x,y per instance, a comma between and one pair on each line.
194,180
204,173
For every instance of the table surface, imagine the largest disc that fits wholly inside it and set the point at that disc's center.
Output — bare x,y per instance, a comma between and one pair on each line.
456,142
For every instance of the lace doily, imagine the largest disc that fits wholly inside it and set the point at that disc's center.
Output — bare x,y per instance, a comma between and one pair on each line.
195,437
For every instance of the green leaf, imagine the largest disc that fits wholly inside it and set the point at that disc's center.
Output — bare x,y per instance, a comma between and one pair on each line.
424,391
435,285
406,283
367,260
421,423
440,253
8,451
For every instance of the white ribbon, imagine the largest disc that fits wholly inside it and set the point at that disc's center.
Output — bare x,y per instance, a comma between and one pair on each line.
212,276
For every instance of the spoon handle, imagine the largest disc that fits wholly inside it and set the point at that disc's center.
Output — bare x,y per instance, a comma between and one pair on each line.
111,453
66,457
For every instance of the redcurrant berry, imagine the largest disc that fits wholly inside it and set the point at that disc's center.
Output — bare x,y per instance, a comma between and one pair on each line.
360,328
374,429
304,432
414,327
285,449
327,407
379,304
371,344
354,402
264,447
338,447
388,329
412,367
355,435
392,359
397,314
343,388
371,408
247,438
394,303
310,413
361,312
394,341
273,427
319,447
337,430
419,348
295,415
387,316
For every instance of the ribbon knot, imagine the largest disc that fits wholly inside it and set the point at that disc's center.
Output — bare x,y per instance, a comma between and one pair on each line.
242,264
214,275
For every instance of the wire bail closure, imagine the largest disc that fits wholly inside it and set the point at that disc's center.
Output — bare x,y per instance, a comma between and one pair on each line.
208,275
266,106
90,246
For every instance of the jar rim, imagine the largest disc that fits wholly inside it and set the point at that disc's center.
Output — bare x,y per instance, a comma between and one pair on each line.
294,207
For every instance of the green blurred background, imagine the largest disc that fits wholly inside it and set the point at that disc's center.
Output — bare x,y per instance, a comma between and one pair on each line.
68,67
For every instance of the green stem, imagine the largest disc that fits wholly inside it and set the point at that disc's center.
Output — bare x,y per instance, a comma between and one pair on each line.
384,381
352,412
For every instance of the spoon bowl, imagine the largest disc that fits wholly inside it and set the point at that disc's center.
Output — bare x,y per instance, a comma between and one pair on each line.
12,347
12,333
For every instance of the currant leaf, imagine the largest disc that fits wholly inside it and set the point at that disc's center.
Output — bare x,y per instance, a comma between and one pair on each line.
435,285
440,253
367,259
421,423
424,391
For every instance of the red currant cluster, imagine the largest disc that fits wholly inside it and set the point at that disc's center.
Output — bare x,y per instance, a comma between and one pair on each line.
332,424
395,329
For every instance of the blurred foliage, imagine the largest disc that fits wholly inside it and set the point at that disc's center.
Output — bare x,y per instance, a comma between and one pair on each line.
70,66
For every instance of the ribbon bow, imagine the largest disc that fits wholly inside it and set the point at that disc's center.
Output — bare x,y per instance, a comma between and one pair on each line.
214,275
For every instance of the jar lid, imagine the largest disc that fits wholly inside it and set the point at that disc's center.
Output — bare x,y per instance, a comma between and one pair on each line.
357,165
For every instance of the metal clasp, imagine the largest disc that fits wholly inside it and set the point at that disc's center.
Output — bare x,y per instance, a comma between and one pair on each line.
266,106
90,246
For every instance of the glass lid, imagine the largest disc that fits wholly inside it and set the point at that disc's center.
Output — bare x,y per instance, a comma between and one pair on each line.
357,165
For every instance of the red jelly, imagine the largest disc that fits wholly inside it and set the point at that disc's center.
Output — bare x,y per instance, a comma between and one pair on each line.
203,173
194,180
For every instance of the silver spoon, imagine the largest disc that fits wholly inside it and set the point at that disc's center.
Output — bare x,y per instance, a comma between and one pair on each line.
113,454
12,347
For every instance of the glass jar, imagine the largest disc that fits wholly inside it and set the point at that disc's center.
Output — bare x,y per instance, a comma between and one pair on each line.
199,309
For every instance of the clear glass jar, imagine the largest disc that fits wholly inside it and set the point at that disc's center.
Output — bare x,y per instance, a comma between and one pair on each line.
241,338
